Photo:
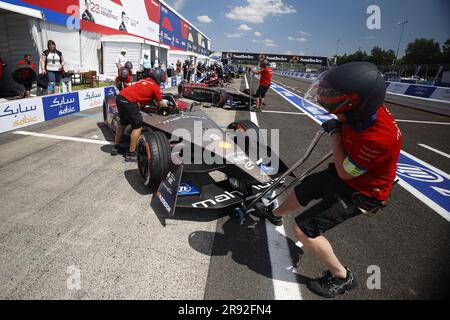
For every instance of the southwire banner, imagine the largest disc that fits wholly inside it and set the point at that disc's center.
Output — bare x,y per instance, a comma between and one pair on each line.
427,183
277,58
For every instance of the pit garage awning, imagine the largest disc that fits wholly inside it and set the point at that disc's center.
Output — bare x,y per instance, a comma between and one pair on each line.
22,10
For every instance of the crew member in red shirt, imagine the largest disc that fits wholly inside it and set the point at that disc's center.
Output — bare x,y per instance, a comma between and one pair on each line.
264,83
366,143
27,62
129,102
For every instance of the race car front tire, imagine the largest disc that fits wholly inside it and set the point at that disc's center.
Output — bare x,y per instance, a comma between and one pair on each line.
153,152
251,131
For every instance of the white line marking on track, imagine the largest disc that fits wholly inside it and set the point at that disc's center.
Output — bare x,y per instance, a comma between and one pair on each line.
435,150
284,279
56,137
424,122
285,112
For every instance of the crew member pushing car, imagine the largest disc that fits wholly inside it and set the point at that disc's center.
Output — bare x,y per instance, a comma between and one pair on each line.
130,101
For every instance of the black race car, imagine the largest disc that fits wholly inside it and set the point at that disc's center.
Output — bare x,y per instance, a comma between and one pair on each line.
166,157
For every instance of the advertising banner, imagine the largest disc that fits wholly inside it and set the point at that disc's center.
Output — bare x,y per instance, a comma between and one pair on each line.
397,87
110,91
171,29
441,94
420,91
61,12
135,17
60,105
277,58
18,114
91,98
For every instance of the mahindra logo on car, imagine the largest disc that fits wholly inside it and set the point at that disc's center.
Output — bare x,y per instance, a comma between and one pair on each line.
217,199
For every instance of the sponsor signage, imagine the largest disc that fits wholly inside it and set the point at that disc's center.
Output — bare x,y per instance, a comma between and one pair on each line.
171,29
92,98
420,91
18,114
275,58
168,190
60,105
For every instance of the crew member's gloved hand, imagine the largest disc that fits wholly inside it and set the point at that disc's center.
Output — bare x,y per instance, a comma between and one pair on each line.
332,126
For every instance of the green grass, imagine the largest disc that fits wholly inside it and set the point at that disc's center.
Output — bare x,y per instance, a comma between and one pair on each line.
79,87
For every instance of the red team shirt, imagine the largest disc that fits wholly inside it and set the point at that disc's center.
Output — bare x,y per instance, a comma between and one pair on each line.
25,63
373,152
266,77
142,92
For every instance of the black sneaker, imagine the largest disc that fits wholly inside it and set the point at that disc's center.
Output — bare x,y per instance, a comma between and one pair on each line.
116,150
131,157
329,287
266,213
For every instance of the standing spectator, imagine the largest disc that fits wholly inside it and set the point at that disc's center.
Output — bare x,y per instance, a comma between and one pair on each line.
27,62
185,70
264,84
52,63
121,60
179,69
191,70
146,65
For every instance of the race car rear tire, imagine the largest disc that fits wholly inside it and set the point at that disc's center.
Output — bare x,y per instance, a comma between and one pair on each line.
251,130
105,111
153,152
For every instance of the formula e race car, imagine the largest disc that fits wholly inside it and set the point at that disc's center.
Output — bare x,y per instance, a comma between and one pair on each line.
217,96
193,162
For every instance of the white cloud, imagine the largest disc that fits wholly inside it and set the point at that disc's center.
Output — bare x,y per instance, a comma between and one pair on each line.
266,42
236,35
257,10
305,34
292,53
204,19
258,34
177,4
244,27
301,39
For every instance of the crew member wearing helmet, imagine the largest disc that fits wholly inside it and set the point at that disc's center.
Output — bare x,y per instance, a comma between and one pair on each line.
130,101
125,77
264,83
366,143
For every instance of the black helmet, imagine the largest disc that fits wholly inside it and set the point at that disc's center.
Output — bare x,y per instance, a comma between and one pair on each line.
123,74
264,63
356,89
158,75
129,65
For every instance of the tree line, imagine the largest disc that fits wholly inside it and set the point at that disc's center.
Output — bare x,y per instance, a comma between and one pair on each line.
419,52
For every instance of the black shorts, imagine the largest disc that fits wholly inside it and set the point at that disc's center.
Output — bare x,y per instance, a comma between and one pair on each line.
336,205
129,113
261,93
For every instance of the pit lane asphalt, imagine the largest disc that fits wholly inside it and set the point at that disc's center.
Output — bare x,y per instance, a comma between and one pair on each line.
408,241
68,203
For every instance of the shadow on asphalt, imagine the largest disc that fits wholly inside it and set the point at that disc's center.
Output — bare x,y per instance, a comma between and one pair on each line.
247,244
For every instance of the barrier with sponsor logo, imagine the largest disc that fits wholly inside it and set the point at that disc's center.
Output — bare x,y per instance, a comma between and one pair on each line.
21,113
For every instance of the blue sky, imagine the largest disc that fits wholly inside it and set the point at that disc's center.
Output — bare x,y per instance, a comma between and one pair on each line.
313,27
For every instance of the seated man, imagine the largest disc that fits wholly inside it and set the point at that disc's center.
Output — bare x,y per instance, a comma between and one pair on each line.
366,143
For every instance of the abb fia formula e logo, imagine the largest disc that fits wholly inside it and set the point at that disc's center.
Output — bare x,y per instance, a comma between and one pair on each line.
418,173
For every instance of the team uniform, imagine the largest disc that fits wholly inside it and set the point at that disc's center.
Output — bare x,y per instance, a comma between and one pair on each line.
264,82
132,98
373,150
123,84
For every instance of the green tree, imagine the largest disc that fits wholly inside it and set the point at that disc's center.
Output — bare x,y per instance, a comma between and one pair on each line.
446,52
381,57
423,51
